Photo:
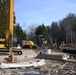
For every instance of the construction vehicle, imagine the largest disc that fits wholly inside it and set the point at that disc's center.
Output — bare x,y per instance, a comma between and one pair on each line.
2,43
39,40
8,47
34,42
4,49
28,44
43,40
5,43
9,31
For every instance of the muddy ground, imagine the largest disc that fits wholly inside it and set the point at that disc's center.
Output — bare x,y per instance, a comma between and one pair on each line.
52,67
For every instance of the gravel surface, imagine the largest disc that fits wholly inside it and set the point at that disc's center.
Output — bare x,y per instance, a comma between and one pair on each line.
52,67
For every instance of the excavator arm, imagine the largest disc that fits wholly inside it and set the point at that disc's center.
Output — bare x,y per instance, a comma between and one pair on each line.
10,20
9,31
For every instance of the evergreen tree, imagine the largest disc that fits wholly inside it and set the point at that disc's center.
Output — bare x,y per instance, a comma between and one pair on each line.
21,35
54,31
3,17
41,29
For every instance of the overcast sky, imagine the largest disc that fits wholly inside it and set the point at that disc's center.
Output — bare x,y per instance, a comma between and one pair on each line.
42,11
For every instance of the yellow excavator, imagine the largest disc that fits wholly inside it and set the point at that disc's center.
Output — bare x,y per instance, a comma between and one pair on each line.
9,31
5,43
28,44
2,43
9,35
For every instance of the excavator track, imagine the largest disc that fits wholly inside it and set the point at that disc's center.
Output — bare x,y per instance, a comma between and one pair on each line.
29,47
6,52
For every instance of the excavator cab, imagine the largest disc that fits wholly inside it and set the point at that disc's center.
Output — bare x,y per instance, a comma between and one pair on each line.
28,44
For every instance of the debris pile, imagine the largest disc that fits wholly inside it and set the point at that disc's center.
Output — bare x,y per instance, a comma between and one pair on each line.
53,67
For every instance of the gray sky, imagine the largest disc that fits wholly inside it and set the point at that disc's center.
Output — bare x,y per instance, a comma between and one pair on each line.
29,12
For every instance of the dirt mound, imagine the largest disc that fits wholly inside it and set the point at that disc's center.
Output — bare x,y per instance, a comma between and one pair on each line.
29,53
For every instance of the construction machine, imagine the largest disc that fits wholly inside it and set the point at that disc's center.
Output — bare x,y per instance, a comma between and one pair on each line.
4,48
39,40
28,44
2,43
8,47
5,43
43,40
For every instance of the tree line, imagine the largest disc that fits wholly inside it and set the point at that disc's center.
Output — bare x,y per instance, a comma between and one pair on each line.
61,31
